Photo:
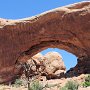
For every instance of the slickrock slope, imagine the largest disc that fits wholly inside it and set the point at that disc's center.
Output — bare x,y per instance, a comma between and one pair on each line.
66,28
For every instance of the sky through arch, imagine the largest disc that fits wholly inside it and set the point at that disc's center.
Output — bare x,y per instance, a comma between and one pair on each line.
69,59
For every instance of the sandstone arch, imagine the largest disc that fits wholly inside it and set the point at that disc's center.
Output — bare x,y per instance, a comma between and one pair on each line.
67,28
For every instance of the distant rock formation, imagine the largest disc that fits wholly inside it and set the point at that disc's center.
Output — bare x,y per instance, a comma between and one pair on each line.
51,65
54,65
36,63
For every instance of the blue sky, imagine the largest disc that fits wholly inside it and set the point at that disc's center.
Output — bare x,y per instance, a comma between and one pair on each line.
17,9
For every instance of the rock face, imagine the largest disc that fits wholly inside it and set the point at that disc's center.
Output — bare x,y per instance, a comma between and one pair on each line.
66,28
54,65
83,66
36,63
50,65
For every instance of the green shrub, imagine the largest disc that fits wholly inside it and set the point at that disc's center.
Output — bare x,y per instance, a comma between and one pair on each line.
86,84
87,81
87,78
17,83
35,85
70,85
64,88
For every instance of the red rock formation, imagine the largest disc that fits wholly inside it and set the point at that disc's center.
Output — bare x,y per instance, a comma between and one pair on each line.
66,28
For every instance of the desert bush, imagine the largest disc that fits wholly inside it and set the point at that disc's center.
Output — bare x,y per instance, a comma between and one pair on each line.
64,88
51,86
35,85
17,83
70,85
87,81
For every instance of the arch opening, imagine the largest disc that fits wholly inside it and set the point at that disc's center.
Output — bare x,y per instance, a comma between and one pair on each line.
51,61
56,45
69,59
69,47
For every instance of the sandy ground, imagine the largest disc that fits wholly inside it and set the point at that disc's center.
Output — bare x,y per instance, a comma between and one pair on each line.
58,82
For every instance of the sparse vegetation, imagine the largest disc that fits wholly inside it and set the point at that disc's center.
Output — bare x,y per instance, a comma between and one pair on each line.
35,85
87,81
17,83
70,85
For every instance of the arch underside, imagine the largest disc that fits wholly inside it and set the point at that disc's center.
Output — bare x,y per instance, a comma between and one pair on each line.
24,56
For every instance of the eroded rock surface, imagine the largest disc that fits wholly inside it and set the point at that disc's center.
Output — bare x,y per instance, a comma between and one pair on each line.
36,63
66,28
50,65
54,65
